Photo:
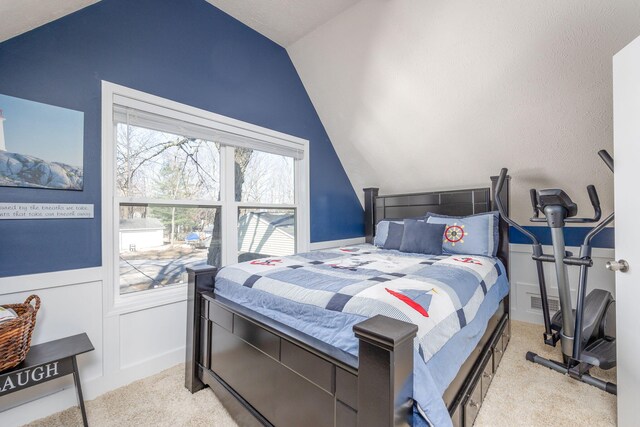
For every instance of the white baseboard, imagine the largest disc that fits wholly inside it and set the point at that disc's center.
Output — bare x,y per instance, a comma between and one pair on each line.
328,244
136,372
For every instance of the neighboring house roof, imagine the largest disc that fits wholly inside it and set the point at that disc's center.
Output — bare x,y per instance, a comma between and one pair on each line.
141,224
282,222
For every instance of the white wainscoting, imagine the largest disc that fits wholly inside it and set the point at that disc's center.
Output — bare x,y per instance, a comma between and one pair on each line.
524,279
128,346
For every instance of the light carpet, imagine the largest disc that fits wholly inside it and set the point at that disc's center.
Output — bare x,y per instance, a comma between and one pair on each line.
159,400
521,394
526,394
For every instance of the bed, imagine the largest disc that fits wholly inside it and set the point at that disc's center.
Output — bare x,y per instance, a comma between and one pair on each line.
254,334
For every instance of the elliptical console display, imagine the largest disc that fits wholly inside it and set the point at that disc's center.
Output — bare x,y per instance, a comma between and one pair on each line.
586,334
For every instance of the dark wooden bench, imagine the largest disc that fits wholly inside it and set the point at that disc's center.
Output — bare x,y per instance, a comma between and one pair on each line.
46,362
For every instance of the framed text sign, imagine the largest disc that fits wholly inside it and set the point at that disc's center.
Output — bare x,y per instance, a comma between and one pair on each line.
45,211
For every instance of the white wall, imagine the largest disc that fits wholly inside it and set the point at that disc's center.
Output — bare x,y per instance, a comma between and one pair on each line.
129,344
430,94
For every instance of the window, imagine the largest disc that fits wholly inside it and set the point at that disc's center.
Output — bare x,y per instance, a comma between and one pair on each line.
161,165
264,177
162,178
267,180
188,187
158,240
266,232
157,243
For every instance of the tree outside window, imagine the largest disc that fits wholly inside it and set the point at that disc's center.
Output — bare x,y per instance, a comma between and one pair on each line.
170,213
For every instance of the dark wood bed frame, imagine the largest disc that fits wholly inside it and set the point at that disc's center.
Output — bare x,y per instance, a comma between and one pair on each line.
268,374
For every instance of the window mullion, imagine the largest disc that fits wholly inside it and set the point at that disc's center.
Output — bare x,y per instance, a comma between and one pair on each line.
230,207
249,205
302,201
166,202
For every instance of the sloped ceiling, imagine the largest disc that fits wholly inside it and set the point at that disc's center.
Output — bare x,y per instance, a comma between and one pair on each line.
432,94
283,21
425,94
20,16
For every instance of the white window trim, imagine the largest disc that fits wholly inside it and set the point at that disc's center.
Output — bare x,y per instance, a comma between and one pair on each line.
114,303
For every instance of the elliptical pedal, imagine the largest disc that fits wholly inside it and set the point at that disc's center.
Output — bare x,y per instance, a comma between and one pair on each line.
600,353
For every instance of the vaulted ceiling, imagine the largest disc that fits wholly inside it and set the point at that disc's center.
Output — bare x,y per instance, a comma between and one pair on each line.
421,94
283,21
20,16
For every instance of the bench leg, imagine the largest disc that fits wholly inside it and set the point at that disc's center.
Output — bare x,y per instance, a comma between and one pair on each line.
76,380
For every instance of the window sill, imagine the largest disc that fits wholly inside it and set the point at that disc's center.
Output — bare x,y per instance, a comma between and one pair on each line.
145,300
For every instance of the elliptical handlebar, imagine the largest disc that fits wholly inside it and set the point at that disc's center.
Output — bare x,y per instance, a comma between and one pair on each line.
503,214
606,157
608,160
595,202
593,197
591,190
549,336
534,202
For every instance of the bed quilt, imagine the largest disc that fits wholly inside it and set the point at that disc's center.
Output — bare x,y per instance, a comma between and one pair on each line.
324,293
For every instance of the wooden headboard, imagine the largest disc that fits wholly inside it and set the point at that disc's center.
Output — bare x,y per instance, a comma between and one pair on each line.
450,202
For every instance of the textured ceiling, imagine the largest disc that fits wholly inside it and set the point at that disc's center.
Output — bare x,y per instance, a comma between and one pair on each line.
20,16
283,21
422,94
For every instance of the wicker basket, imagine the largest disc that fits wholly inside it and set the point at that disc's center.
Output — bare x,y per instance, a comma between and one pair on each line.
15,335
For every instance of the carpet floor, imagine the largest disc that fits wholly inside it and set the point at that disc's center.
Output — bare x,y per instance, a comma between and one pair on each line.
525,394
521,394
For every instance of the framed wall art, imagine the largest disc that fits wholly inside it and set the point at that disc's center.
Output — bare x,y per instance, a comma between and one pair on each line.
41,146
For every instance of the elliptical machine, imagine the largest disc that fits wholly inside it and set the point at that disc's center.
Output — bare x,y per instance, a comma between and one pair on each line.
586,333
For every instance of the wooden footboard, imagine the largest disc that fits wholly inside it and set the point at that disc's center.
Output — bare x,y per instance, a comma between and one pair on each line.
266,373
285,378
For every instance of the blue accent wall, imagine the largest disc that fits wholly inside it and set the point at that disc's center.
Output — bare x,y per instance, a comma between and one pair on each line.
184,50
573,236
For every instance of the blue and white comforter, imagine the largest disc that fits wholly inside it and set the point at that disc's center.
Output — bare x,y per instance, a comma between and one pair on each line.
324,293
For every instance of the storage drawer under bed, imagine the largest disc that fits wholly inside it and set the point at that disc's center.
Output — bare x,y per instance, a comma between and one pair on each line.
467,410
500,346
